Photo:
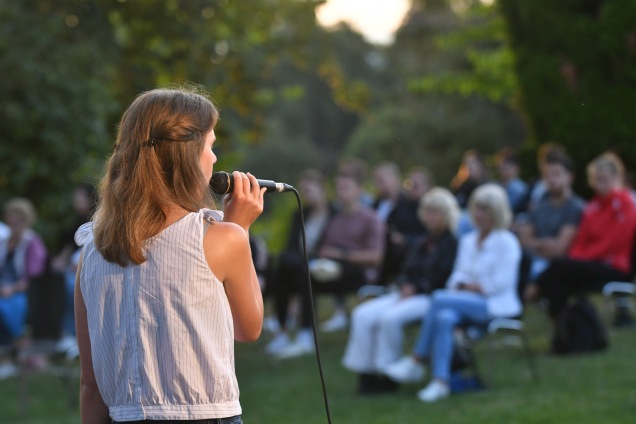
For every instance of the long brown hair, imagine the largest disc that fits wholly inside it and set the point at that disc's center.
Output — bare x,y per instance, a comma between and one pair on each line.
155,164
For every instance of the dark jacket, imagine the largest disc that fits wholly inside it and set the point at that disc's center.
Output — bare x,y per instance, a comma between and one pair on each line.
404,220
430,263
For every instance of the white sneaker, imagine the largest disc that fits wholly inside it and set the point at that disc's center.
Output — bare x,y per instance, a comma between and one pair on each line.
406,370
65,344
7,370
337,322
303,345
436,390
279,342
271,324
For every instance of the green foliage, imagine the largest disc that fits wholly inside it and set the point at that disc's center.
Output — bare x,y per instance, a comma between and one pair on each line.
441,100
54,101
576,65
313,106
490,73
71,67
433,131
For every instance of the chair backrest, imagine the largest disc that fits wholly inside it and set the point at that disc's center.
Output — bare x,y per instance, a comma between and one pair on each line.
525,265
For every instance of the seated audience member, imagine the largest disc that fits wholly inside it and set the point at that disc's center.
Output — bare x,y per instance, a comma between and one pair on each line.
347,257
418,182
551,225
399,216
289,278
508,168
376,332
359,167
482,286
22,257
537,188
471,174
602,249
65,261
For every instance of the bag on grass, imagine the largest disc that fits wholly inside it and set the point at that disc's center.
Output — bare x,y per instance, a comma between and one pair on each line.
579,329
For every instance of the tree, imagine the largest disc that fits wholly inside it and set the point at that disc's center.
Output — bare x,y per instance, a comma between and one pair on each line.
426,118
70,68
576,66
315,105
55,100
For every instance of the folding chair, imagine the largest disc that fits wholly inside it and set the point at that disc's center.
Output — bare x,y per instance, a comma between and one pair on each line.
505,331
619,295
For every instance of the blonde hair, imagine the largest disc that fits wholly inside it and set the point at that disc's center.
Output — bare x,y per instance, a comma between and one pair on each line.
609,161
155,164
494,199
22,207
442,200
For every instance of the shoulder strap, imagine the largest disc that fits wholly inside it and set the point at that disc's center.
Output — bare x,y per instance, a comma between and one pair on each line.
210,216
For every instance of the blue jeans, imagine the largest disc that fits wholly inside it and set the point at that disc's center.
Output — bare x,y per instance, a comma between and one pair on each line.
68,323
229,420
13,312
448,310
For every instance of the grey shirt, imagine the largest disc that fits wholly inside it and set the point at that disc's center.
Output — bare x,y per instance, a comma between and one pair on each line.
548,218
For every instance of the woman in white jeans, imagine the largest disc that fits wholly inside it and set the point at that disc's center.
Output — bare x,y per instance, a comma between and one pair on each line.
376,335
483,286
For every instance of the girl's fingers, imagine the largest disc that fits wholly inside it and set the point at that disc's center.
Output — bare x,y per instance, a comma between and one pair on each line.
253,184
238,182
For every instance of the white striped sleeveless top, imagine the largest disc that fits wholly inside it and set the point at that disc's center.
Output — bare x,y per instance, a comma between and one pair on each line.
161,333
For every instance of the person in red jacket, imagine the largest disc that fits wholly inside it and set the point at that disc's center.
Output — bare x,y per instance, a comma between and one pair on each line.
602,249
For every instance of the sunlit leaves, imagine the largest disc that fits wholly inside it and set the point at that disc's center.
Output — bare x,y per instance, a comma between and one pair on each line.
490,73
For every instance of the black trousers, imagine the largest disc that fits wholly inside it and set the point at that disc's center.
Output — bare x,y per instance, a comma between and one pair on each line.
352,278
290,279
570,277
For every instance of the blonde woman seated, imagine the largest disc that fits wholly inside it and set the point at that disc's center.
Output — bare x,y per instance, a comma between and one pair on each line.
375,338
483,286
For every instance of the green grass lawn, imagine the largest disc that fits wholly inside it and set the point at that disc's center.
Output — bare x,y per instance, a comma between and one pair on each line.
591,388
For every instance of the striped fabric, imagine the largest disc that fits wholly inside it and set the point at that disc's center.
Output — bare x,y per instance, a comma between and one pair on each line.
161,332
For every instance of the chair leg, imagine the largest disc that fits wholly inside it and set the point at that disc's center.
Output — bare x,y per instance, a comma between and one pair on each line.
527,351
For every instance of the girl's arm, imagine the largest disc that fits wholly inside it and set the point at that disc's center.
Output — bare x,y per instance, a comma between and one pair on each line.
228,254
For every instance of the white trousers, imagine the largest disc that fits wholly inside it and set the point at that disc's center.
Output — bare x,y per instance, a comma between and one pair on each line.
376,332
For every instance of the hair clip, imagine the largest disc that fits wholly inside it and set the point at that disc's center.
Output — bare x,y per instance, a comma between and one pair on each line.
151,143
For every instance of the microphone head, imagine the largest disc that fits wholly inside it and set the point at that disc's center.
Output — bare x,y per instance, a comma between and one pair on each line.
221,183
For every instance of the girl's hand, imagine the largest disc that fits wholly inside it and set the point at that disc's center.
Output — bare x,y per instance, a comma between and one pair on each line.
245,203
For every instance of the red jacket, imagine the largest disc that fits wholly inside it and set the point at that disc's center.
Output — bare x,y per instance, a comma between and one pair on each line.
606,232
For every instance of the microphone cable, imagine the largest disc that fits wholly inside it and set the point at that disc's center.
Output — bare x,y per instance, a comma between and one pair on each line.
311,303
222,183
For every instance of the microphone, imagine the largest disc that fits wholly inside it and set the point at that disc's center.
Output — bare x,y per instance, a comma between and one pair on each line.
223,183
